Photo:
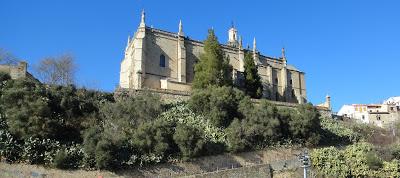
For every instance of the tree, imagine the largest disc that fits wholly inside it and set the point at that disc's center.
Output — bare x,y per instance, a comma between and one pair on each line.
262,127
213,67
189,141
57,70
306,124
252,80
7,58
218,104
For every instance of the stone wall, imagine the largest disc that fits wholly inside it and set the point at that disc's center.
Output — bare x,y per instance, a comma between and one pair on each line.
263,170
171,96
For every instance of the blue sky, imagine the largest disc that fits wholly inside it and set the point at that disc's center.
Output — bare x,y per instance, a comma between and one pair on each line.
349,49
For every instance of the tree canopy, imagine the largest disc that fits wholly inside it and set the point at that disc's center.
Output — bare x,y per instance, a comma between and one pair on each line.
253,86
213,67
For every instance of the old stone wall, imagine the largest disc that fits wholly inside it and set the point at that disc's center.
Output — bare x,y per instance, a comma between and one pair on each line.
263,170
170,96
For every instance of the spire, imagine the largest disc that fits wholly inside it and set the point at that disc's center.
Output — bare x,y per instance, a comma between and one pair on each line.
142,21
129,40
232,37
240,42
254,45
284,57
180,33
232,24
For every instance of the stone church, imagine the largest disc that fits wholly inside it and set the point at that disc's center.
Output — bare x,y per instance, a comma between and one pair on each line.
160,60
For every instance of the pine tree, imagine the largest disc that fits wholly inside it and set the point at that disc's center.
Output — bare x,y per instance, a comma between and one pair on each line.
213,67
253,86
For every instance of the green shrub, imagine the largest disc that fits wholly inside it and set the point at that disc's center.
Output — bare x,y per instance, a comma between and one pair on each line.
337,132
373,161
391,169
236,137
154,141
305,124
125,115
217,104
262,124
69,158
330,161
182,114
105,155
395,151
189,141
40,151
10,148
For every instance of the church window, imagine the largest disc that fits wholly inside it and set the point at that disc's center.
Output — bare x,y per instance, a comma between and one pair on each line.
291,82
162,60
276,80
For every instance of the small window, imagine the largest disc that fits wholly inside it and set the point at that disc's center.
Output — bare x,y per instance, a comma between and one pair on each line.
363,117
291,82
162,60
276,80
378,118
277,96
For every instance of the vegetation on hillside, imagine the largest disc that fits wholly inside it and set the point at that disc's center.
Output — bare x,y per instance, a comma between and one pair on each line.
66,127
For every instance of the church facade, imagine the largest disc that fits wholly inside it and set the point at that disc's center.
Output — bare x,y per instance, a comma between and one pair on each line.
161,60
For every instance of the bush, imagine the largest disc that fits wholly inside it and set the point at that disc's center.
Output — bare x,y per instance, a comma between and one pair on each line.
182,114
105,155
337,132
330,161
373,161
305,124
189,141
395,151
262,124
91,137
40,151
218,104
236,137
154,141
69,158
127,114
10,148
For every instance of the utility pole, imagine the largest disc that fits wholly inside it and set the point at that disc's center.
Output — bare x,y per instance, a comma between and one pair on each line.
304,158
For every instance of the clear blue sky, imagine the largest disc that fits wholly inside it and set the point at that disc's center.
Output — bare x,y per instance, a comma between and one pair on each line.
349,49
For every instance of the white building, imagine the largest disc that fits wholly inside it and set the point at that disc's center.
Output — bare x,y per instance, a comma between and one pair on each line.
382,115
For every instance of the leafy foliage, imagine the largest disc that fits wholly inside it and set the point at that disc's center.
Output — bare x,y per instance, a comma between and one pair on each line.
213,67
218,104
253,86
335,131
305,124
189,141
357,160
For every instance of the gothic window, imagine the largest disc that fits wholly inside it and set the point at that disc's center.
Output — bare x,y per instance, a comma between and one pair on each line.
162,60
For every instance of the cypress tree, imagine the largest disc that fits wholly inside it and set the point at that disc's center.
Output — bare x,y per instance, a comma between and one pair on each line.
213,67
253,86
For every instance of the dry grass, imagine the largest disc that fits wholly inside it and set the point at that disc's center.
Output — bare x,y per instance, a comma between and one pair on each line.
197,166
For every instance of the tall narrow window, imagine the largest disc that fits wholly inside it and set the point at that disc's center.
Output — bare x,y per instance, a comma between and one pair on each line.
162,60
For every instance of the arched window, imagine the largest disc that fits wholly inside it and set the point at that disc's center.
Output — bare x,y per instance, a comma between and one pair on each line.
162,60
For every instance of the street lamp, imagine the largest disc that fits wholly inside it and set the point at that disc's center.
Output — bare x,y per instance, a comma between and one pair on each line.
304,158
